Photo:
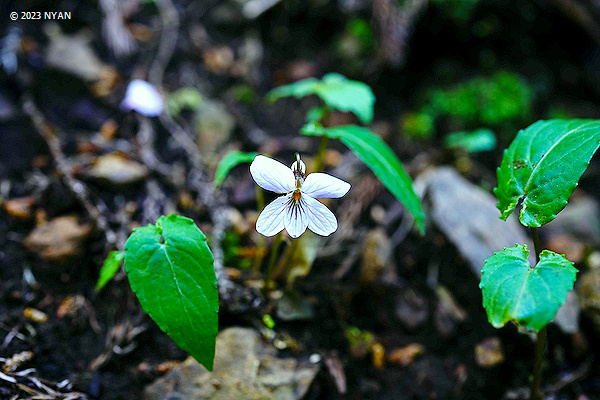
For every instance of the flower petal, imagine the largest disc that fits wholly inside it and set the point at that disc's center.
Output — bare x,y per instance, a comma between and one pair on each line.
296,219
320,219
142,97
270,220
320,185
272,175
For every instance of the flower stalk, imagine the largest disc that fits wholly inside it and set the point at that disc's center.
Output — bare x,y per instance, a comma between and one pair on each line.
260,251
272,259
320,157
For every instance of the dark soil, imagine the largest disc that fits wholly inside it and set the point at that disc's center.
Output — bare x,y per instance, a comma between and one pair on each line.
533,39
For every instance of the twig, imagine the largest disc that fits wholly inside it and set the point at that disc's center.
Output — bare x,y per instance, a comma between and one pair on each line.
211,199
395,26
77,187
168,40
145,139
118,38
582,15
569,378
352,256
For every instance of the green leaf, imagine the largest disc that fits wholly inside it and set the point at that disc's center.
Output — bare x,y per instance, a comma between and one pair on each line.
228,162
338,92
514,291
109,268
380,158
187,97
543,165
471,142
315,114
170,269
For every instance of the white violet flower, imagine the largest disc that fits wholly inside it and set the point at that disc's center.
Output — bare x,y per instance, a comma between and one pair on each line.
143,98
297,209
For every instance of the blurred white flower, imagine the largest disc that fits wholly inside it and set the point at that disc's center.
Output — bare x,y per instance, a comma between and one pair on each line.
143,98
297,209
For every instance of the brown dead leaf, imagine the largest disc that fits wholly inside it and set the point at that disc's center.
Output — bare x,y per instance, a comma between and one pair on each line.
489,353
406,355
117,169
35,315
60,239
20,208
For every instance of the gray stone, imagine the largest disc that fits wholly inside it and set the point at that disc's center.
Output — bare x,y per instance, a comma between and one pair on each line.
468,216
245,368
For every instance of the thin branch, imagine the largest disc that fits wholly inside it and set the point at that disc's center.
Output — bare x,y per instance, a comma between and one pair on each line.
80,191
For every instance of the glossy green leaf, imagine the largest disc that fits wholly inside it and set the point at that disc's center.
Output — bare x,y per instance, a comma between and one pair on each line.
514,291
109,268
471,142
228,162
338,92
380,158
543,165
170,269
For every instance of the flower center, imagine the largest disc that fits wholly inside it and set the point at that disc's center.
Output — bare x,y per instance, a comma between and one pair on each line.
296,195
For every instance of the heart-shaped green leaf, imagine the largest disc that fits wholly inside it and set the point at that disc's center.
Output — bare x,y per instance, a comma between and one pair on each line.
337,91
529,296
228,162
380,158
170,269
109,268
543,165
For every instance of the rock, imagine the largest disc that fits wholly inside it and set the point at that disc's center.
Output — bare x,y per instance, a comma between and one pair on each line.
214,125
579,219
567,316
588,291
60,239
468,216
406,355
489,353
568,245
74,54
117,169
245,368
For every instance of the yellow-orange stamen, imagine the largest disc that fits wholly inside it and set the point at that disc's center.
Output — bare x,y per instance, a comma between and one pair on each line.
296,195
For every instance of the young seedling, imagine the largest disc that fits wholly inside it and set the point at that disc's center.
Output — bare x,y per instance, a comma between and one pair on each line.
341,94
541,169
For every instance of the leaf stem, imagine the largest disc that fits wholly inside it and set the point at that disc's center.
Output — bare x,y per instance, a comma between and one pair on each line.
536,243
260,251
321,154
540,344
272,259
